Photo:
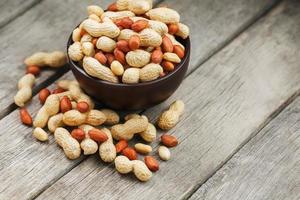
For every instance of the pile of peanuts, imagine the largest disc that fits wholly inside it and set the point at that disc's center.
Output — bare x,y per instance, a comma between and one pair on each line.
131,42
78,127
70,114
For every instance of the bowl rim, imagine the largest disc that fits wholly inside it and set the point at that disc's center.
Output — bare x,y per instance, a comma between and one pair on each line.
178,67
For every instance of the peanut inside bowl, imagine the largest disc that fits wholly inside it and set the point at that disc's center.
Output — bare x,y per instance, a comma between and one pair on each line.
128,60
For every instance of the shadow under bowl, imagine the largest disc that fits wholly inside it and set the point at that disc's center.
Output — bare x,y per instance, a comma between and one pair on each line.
122,96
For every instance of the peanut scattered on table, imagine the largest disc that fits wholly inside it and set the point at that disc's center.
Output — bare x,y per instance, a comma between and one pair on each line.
121,145
25,117
139,168
112,117
53,59
107,149
43,95
55,121
76,118
151,163
70,145
33,69
24,94
40,134
78,134
142,148
168,119
149,134
127,130
164,153
130,153
169,140
50,108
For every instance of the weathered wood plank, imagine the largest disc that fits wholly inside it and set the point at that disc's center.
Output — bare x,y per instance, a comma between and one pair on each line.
211,27
227,100
268,167
11,9
214,23
45,27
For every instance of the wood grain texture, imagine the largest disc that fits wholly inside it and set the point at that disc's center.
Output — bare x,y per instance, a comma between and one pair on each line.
48,29
227,101
214,23
11,9
266,168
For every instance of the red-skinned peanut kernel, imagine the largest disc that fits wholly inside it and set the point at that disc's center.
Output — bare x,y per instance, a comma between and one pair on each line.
130,153
167,66
82,107
121,145
97,135
126,22
101,58
151,163
110,58
78,134
32,69
179,51
112,7
139,25
119,56
58,90
25,117
65,104
173,28
169,140
123,46
43,95
156,56
134,42
167,44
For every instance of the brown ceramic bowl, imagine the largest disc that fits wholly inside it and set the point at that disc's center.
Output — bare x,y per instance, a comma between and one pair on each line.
132,96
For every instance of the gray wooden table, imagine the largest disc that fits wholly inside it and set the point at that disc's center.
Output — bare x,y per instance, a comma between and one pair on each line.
240,134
